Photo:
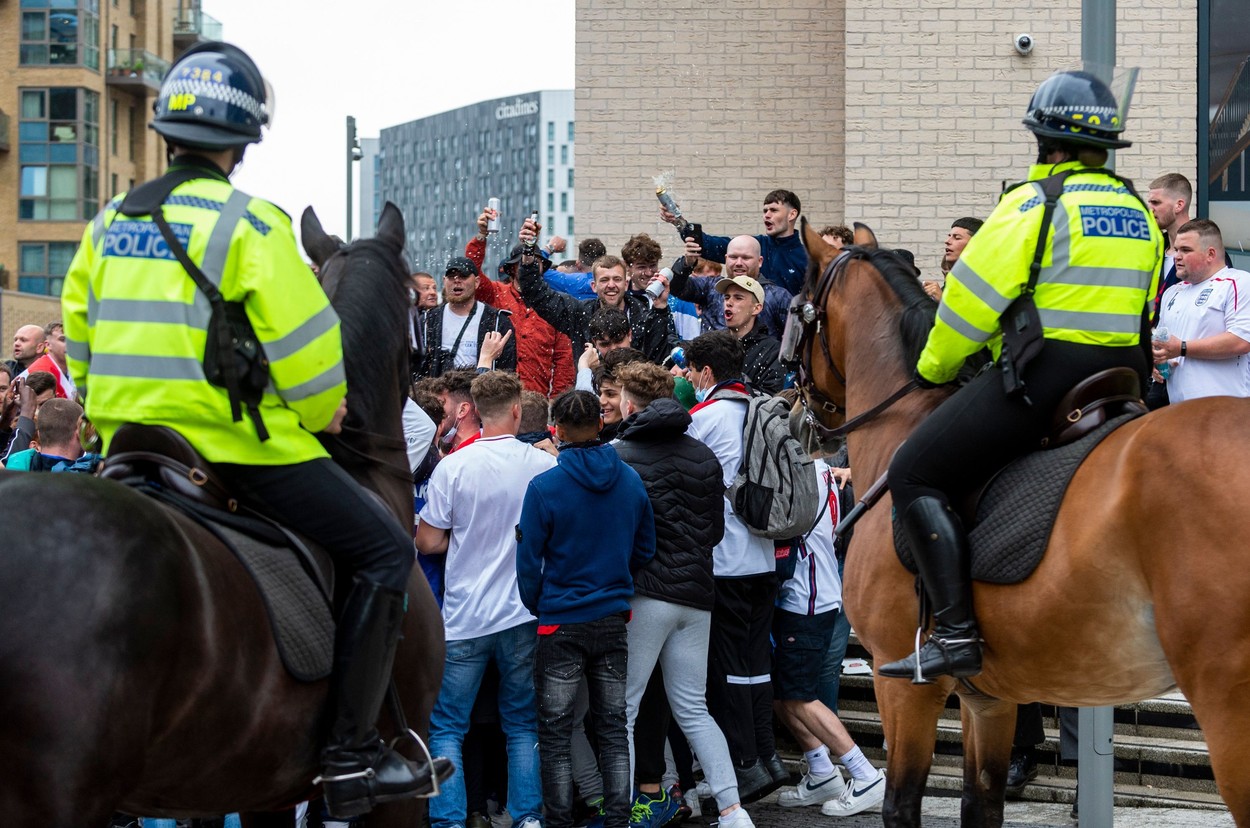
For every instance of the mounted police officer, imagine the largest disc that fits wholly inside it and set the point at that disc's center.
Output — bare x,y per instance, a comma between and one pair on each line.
169,268
1093,257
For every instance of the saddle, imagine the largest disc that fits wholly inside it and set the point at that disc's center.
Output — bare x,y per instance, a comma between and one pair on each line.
295,578
1011,517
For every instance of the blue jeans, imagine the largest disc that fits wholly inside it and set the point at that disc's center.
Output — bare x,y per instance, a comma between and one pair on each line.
513,653
597,649
232,821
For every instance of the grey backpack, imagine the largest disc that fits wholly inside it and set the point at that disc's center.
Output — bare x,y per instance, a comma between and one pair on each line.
775,491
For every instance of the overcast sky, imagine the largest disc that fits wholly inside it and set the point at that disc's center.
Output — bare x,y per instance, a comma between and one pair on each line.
384,62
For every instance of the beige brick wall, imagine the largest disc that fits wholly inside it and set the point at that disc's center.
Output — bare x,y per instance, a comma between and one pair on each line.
900,113
737,97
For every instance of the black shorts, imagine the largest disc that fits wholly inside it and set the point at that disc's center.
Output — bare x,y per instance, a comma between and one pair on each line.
800,645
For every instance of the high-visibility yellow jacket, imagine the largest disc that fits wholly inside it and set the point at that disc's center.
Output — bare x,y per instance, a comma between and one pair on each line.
136,325
1101,263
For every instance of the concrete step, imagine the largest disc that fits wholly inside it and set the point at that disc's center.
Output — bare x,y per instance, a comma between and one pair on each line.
1158,746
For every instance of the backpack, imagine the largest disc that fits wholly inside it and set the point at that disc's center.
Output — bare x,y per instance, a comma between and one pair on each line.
775,491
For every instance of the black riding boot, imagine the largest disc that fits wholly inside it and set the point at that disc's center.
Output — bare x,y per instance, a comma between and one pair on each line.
360,771
940,548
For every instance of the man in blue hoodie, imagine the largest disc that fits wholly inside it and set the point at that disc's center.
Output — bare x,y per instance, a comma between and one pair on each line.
586,526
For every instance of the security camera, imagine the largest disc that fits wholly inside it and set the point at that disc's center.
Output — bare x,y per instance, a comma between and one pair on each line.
1024,44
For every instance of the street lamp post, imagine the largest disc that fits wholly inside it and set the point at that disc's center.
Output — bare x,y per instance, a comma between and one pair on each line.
353,154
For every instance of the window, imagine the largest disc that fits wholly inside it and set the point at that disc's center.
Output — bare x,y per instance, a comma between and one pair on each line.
551,178
551,130
43,266
570,131
570,230
551,155
60,33
570,178
135,134
551,202
59,154
114,117
564,202
564,154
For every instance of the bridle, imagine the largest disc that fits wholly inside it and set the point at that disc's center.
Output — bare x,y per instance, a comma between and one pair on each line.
811,316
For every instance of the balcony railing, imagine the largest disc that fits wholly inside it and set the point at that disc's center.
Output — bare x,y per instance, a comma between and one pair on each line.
1230,128
135,69
193,26
4,131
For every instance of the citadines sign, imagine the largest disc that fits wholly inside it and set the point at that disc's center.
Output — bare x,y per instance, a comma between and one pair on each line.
516,109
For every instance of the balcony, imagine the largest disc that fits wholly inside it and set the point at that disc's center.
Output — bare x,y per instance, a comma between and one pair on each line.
4,131
192,26
136,70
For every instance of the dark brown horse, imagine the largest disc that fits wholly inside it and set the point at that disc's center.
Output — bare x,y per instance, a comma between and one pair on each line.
1143,587
137,668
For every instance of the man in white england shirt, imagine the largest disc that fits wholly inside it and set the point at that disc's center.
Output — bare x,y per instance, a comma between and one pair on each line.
472,508
1207,314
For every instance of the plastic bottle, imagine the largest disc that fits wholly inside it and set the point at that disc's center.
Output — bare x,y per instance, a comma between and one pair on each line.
1162,334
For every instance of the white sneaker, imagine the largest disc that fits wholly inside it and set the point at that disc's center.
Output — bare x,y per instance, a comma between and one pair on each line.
703,789
693,803
813,790
859,796
737,818
531,822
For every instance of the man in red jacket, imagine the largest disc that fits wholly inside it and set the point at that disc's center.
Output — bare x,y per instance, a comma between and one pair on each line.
544,355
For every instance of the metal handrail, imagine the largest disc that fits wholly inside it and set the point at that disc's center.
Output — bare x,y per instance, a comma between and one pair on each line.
1229,135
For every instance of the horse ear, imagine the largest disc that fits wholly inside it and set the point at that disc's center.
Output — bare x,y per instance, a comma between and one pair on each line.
818,250
864,237
318,244
391,226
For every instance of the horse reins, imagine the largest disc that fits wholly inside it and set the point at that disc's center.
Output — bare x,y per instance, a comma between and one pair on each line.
813,314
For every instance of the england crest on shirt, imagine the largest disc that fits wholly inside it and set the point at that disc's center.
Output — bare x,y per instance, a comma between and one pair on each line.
1203,297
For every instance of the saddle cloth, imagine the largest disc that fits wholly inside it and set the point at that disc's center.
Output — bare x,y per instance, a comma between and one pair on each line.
295,584
1015,513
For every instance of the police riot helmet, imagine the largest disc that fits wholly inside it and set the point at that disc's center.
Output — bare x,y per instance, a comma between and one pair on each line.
1076,108
214,98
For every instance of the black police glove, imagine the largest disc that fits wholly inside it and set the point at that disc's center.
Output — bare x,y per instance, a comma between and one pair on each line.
919,379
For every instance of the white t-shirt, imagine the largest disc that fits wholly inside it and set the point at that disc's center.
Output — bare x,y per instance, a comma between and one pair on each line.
419,431
476,492
718,425
1197,310
466,353
816,586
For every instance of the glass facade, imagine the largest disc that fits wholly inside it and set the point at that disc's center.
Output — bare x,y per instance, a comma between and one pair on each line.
60,33
441,170
59,154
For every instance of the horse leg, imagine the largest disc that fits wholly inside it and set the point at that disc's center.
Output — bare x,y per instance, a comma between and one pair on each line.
909,717
989,726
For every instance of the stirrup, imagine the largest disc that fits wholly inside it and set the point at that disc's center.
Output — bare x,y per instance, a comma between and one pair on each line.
918,674
409,733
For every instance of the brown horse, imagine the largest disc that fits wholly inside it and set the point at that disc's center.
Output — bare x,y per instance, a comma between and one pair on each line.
1135,595
137,668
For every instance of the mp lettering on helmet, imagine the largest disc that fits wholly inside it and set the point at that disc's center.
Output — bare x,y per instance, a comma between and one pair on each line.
1117,222
179,103
142,240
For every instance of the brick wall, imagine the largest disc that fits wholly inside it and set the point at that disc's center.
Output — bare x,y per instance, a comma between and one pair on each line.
868,109
737,97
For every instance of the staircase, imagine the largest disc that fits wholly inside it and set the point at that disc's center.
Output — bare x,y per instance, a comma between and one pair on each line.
1160,756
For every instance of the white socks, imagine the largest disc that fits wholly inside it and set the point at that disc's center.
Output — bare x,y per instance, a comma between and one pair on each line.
818,761
857,763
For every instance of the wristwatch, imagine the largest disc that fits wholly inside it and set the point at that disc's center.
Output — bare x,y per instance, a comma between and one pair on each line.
1184,347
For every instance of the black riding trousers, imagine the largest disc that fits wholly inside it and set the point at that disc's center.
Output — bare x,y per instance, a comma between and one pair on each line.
980,429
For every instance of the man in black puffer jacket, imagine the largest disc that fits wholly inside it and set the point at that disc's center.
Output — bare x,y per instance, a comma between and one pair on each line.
673,594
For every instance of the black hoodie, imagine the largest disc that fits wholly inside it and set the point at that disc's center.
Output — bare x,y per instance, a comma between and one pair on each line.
683,479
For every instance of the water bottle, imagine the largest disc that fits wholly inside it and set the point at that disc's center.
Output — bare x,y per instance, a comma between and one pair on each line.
1162,334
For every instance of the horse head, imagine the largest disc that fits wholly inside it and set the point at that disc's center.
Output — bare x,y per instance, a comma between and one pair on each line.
367,283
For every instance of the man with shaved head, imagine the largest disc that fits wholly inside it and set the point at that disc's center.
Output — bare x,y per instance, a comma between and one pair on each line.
27,345
742,259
